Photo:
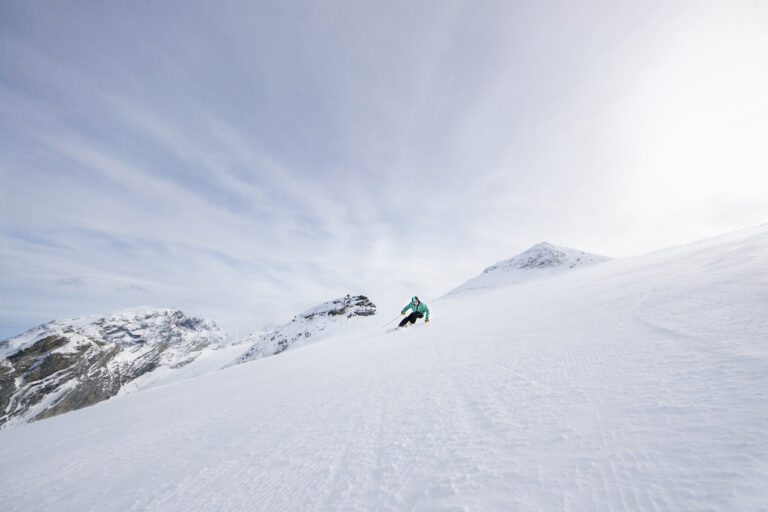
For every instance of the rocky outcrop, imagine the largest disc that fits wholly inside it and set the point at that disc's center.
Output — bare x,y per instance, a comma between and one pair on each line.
66,365
308,326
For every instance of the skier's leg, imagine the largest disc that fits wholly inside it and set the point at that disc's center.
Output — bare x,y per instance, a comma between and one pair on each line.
413,316
406,320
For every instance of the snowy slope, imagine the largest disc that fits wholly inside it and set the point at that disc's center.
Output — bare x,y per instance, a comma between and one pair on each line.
326,319
540,261
209,359
639,384
64,365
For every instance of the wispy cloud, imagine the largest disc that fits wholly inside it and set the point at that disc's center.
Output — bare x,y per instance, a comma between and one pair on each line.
245,160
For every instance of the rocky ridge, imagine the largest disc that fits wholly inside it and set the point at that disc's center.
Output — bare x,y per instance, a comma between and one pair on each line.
308,326
65,365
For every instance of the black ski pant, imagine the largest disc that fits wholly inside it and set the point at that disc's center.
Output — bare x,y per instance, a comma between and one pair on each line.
411,318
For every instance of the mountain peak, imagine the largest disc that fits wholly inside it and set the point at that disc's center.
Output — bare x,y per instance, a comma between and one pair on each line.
541,260
546,255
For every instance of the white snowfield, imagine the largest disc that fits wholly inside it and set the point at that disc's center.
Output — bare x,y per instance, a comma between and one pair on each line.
637,384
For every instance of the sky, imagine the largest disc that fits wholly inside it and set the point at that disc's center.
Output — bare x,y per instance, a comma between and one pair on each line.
244,161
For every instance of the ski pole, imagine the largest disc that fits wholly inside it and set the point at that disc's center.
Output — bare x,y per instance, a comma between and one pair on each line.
386,324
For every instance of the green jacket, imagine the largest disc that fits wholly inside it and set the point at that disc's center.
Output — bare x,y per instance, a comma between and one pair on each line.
421,308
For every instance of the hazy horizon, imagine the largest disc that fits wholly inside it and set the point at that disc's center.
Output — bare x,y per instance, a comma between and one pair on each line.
248,160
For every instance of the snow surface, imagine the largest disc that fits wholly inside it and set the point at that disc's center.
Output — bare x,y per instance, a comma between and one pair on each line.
636,384
332,318
539,262
207,360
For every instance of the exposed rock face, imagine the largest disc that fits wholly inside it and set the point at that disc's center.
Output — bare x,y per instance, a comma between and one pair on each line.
314,323
348,306
66,365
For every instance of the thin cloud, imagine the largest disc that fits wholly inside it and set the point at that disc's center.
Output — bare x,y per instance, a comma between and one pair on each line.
246,161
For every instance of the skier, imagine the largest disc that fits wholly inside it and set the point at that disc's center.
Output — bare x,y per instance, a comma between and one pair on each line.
419,309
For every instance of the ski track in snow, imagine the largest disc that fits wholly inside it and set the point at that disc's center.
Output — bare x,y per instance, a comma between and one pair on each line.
635,385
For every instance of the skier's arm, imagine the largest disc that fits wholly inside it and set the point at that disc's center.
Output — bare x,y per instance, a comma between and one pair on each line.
406,308
427,308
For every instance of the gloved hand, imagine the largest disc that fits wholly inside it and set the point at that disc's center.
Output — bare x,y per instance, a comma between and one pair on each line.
426,320
402,312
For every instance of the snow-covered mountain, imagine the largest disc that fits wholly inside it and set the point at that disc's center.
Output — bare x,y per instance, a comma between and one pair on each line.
541,260
310,326
64,365
636,385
